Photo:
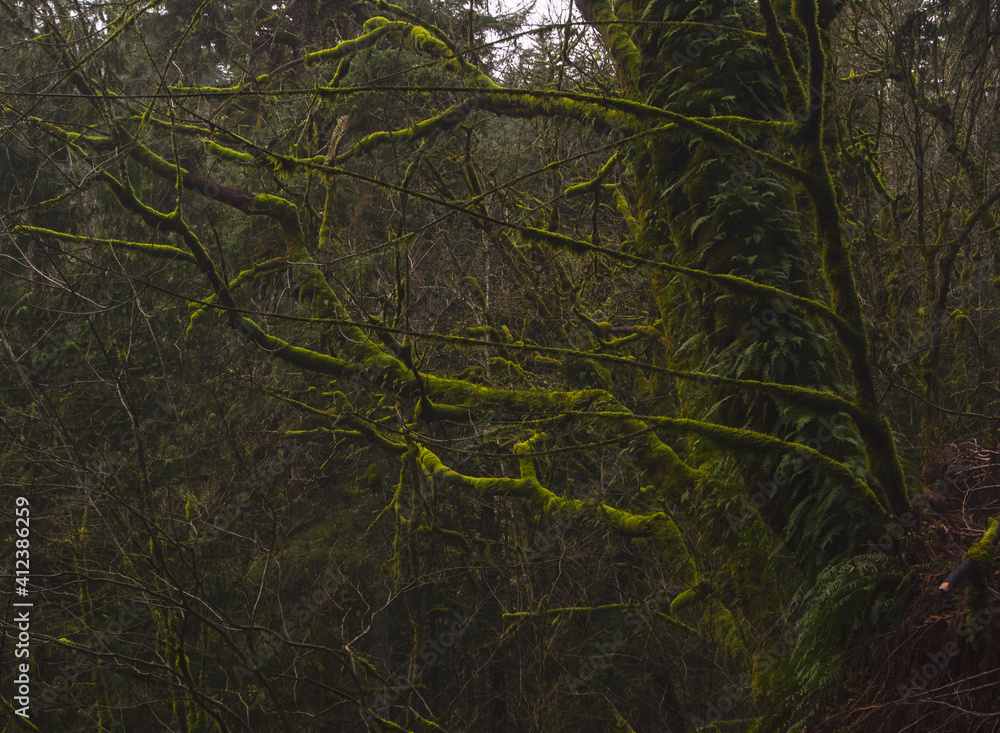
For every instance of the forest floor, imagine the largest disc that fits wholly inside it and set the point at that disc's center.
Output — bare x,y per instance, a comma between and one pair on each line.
939,669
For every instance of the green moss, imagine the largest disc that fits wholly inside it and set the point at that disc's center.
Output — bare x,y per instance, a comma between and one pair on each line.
657,526
419,131
481,331
248,275
510,367
983,554
303,358
372,31
154,251
740,285
683,600
416,20
223,153
983,557
547,362
626,56
594,183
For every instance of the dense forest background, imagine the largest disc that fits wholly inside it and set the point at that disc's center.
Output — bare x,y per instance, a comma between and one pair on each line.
448,367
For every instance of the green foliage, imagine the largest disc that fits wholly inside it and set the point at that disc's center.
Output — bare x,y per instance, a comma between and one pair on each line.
838,618
381,383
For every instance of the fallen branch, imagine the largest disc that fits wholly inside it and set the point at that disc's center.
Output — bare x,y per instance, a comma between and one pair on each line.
981,552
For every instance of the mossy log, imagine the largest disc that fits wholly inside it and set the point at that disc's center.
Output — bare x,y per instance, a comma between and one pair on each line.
980,556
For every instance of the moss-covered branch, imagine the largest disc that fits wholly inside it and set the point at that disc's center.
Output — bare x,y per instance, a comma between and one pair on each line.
249,275
156,251
624,53
173,222
749,441
415,20
658,526
735,283
363,429
777,45
418,131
